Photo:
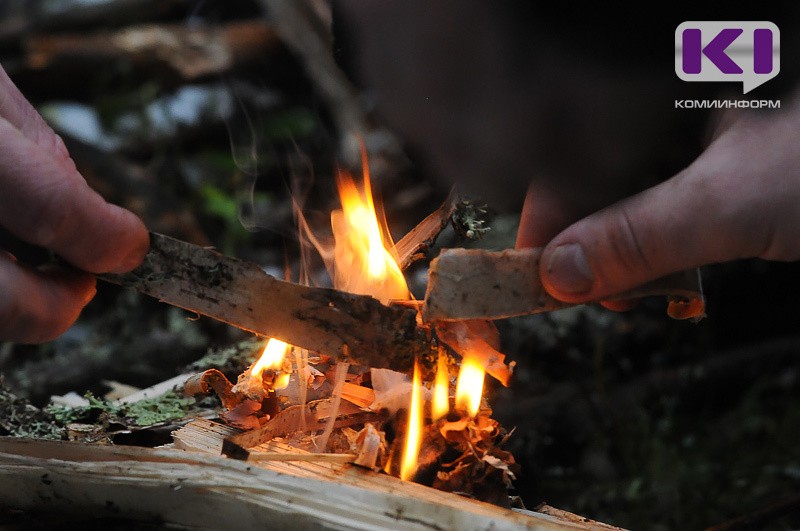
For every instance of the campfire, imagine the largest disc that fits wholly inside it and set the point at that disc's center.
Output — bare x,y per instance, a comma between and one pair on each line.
432,426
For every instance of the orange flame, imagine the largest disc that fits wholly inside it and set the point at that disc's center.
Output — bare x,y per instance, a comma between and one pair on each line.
469,388
271,357
362,261
414,429
440,404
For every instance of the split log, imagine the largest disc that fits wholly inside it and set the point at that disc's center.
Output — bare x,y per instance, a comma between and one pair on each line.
478,284
191,52
353,328
205,491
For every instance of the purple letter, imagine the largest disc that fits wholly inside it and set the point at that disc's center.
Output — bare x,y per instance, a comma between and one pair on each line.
715,51
691,51
762,51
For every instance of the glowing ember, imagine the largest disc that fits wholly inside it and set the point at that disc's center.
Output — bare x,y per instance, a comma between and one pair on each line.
271,357
414,429
440,404
470,386
362,262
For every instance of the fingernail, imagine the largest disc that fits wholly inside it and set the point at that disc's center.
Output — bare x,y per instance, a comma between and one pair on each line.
569,270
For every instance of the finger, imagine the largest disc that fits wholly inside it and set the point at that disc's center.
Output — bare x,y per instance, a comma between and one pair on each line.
36,306
731,203
45,201
620,305
544,215
15,108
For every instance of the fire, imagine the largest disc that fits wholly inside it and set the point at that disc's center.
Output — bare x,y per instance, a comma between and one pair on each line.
414,429
440,405
362,261
271,357
470,386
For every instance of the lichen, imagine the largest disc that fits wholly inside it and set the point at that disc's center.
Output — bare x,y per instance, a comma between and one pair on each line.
19,418
469,220
146,412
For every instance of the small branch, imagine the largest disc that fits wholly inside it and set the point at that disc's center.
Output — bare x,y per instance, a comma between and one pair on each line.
411,247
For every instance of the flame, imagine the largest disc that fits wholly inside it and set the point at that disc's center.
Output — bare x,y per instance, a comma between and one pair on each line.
413,430
470,386
440,404
271,357
362,261
281,381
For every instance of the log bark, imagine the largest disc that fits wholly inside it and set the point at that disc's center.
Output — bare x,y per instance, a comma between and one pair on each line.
209,492
352,328
477,284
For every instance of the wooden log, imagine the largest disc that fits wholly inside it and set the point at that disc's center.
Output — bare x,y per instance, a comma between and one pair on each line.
572,517
191,52
209,492
479,284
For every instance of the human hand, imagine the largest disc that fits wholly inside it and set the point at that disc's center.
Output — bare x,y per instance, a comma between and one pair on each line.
739,199
46,202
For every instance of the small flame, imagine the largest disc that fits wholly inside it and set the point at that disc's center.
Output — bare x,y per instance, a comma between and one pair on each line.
469,388
362,262
440,404
271,357
281,381
408,466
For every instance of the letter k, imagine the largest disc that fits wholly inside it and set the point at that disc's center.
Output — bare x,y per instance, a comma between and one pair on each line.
714,50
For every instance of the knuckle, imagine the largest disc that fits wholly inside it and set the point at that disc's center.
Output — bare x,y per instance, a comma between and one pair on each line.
52,217
625,242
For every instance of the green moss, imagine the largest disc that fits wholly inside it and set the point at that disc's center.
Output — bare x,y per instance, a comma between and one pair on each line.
147,412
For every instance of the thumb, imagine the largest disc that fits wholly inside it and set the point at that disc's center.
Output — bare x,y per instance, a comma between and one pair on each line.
737,200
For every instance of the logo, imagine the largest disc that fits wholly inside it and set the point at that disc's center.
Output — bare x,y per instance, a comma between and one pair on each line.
728,51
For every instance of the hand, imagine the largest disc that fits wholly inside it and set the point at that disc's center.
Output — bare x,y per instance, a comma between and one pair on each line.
45,201
739,199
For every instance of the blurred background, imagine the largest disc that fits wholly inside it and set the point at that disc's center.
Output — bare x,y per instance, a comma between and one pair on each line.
207,117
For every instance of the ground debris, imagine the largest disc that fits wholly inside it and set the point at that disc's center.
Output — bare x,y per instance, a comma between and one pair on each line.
19,418
147,412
